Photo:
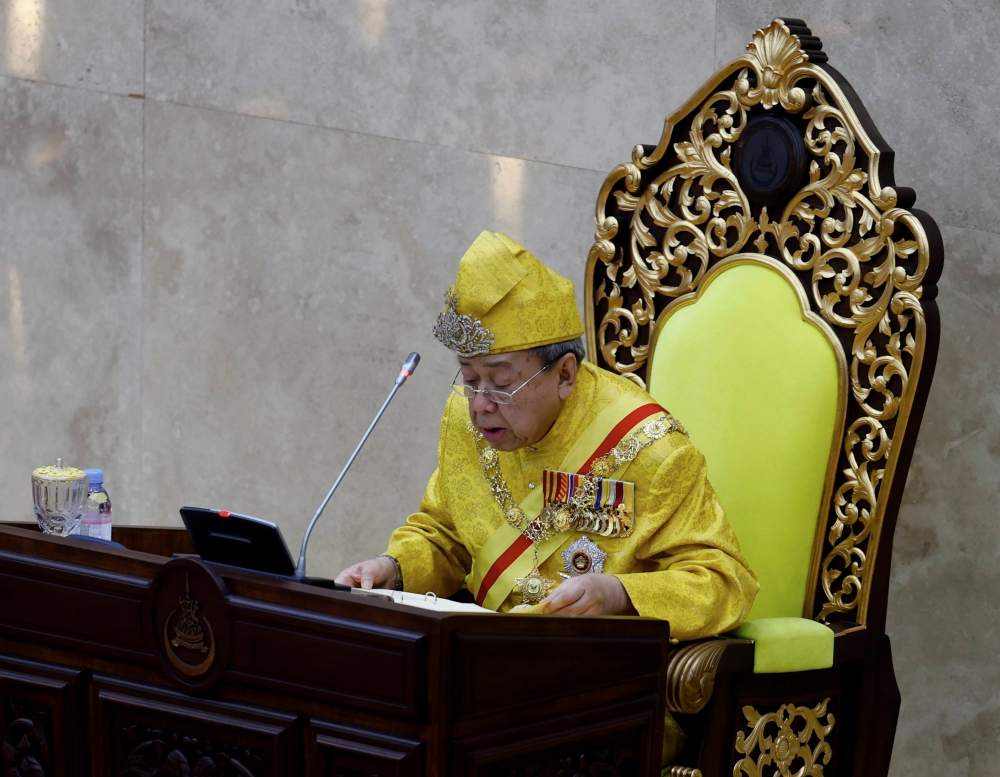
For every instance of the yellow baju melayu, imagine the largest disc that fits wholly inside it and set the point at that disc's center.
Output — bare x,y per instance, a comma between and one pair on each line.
681,562
614,487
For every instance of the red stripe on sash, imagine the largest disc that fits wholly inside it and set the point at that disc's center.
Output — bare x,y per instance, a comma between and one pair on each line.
619,432
508,557
522,543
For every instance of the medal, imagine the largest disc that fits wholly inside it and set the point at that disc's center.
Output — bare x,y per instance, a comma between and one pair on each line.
583,556
534,587
585,503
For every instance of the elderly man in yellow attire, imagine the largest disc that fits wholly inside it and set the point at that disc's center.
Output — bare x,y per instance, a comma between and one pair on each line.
559,484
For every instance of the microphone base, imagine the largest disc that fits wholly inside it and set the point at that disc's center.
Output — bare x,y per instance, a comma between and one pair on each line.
321,582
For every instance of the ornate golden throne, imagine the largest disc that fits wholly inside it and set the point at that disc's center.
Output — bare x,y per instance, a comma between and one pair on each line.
761,274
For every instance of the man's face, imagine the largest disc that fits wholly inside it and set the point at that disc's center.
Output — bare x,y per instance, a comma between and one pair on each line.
534,408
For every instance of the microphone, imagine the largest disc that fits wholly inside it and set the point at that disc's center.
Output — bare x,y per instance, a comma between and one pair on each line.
408,367
404,372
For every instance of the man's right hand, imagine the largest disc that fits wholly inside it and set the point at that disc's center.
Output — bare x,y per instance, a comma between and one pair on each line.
374,573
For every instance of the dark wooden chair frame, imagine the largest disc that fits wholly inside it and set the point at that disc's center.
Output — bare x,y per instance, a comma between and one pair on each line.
868,263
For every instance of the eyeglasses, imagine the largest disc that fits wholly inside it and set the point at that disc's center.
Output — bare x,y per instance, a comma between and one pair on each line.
493,395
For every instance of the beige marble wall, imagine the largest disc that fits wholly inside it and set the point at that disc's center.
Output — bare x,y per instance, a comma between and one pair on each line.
70,297
223,225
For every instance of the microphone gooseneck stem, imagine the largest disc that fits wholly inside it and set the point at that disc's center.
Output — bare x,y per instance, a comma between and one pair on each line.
300,570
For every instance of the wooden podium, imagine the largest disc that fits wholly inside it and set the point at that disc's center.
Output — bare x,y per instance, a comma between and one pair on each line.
130,662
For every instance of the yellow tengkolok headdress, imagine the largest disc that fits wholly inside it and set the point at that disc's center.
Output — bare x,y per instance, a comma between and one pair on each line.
505,300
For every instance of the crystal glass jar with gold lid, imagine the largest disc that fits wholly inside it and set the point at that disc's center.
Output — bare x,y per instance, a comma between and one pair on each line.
60,494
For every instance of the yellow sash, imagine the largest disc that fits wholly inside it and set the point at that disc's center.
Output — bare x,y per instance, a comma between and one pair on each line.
507,536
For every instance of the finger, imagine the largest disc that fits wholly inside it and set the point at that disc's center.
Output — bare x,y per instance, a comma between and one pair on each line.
367,577
586,596
349,577
564,596
578,606
556,599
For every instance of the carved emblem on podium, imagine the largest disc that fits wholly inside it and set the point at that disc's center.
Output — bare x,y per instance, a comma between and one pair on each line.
190,623
189,635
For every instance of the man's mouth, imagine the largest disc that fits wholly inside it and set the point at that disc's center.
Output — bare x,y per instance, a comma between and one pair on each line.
494,434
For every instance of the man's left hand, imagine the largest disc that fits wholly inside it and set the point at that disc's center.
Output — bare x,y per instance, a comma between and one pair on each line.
591,594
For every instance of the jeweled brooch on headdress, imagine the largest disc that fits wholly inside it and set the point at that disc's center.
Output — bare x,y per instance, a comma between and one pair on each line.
463,334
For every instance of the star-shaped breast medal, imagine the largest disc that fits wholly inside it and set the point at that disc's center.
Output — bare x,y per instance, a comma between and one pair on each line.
584,556
534,587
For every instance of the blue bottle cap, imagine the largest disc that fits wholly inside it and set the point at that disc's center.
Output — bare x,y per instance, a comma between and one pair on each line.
95,476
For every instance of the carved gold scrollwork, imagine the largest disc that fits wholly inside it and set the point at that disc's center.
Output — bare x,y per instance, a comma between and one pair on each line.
665,217
691,675
781,738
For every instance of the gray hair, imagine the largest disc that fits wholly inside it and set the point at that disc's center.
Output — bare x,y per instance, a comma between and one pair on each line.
550,354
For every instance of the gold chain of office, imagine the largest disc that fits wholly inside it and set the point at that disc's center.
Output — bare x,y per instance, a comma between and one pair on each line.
580,514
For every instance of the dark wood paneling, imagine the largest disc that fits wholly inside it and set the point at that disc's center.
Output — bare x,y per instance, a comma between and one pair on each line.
156,540
382,679
70,550
72,606
621,760
545,668
849,644
155,731
345,662
880,713
42,730
336,750
625,738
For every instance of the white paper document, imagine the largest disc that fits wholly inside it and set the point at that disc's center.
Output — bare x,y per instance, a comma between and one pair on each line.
426,601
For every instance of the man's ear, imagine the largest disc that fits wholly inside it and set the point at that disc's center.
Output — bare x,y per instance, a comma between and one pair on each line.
567,368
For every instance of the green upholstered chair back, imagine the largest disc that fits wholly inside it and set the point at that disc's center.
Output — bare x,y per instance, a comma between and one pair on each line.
760,383
760,273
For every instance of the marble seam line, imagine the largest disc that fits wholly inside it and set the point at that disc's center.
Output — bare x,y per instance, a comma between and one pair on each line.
321,127
350,132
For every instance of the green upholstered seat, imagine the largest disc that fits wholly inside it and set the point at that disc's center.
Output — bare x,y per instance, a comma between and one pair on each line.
788,644
760,388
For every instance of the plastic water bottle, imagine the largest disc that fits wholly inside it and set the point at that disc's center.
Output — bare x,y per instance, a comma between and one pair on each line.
96,521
